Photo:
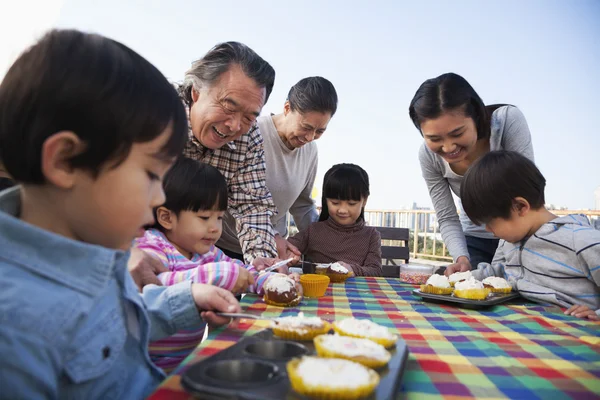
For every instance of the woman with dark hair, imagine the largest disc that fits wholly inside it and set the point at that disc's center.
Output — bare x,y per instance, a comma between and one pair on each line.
458,128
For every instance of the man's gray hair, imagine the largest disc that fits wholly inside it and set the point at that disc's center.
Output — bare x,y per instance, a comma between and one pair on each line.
208,69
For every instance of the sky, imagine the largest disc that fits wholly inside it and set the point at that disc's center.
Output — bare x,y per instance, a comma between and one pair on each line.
542,56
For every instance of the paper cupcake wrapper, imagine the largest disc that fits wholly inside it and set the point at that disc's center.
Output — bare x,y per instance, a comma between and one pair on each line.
329,393
472,294
307,334
435,290
501,290
314,285
293,303
385,342
322,351
339,278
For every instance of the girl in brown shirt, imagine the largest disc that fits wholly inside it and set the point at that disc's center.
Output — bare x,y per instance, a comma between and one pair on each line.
341,235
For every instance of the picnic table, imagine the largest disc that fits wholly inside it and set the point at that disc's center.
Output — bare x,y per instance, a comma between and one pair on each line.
520,350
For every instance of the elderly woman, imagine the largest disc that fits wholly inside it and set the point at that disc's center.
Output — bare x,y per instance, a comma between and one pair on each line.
291,153
458,128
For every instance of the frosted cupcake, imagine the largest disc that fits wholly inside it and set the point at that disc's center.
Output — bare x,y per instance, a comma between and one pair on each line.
365,329
459,276
496,284
437,284
299,327
280,290
331,378
364,351
337,272
471,289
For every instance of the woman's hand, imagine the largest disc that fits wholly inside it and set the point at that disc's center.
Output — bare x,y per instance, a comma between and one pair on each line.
462,264
581,311
143,268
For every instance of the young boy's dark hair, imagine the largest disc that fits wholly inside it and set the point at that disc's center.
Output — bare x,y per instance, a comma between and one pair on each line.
191,185
92,86
493,182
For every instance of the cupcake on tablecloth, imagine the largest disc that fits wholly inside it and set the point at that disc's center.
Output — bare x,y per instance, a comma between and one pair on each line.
363,351
331,378
365,329
471,289
497,284
299,327
337,272
437,284
280,290
458,277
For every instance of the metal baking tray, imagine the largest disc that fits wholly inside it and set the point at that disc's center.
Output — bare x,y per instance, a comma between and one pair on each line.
492,300
255,368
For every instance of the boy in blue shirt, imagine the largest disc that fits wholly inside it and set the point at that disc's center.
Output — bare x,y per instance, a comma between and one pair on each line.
88,128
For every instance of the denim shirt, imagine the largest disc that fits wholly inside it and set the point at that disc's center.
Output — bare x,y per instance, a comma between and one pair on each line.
72,323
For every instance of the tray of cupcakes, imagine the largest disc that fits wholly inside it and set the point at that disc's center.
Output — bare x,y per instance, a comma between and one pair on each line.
462,289
303,358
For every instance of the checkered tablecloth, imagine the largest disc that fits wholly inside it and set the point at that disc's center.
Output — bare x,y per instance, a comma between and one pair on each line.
521,350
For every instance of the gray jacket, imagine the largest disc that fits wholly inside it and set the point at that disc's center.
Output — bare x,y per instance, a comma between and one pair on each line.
559,264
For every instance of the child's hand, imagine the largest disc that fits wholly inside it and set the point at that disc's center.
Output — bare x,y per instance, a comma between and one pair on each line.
299,287
346,265
462,265
210,298
244,280
581,311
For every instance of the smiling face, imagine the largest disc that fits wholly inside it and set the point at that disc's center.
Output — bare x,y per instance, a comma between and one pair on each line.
226,110
452,135
345,212
298,129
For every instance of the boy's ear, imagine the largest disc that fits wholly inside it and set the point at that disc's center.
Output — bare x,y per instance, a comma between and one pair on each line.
521,205
165,218
57,152
287,108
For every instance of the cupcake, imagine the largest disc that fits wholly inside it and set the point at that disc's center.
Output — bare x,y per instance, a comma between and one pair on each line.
365,329
363,351
280,290
437,284
337,272
496,284
321,269
331,378
299,327
471,289
314,285
458,277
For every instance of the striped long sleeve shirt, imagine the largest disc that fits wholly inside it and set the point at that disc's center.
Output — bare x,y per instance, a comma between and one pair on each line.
213,268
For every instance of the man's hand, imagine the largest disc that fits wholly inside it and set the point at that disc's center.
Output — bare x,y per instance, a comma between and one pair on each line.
143,268
581,311
244,280
261,263
286,250
210,298
462,265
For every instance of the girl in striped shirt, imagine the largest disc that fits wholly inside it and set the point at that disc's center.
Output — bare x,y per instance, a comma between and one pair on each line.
187,227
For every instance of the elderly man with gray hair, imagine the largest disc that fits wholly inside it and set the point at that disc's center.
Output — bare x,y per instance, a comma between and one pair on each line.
224,93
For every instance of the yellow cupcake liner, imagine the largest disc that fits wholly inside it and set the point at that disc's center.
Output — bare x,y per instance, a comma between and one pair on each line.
314,285
308,333
293,303
472,294
435,290
328,393
385,342
322,351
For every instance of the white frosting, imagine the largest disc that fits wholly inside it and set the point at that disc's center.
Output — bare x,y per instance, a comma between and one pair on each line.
440,281
298,323
332,373
459,276
322,266
496,282
364,327
470,283
337,267
279,283
354,347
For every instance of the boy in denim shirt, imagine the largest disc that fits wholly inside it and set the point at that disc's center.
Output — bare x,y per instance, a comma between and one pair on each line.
88,128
